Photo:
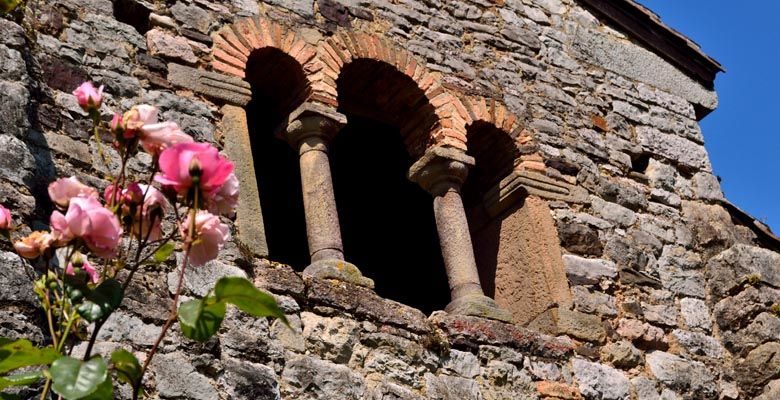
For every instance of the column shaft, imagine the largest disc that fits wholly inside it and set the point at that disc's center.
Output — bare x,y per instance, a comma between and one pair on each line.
322,221
455,242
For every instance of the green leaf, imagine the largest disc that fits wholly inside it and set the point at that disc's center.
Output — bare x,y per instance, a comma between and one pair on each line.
74,379
164,252
101,301
199,320
21,353
249,299
127,368
9,396
105,391
23,379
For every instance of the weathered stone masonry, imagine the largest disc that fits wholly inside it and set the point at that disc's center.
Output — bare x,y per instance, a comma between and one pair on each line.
596,223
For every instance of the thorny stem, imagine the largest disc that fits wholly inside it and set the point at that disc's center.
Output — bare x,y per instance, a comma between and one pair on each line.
174,305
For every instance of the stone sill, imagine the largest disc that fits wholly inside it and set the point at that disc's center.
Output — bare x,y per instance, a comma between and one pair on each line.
460,331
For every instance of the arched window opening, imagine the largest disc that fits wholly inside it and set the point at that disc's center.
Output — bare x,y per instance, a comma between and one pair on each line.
494,154
515,245
387,222
278,86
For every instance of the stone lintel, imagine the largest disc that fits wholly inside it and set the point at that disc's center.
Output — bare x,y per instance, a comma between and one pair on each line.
311,119
519,184
440,164
230,89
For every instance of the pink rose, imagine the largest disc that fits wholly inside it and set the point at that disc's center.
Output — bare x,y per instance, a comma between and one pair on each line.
154,207
63,190
178,165
6,222
138,116
88,219
34,244
210,236
131,122
94,277
225,200
158,137
88,97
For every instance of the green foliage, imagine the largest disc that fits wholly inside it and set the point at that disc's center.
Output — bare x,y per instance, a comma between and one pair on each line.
101,301
164,252
7,6
21,353
127,368
249,299
201,319
23,379
75,379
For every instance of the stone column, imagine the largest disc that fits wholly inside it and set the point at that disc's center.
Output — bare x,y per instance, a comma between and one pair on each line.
441,171
309,129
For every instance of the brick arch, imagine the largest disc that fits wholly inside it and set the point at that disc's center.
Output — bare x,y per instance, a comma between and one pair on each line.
481,110
234,44
344,48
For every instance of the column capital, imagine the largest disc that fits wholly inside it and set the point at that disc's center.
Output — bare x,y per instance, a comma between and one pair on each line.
441,169
312,121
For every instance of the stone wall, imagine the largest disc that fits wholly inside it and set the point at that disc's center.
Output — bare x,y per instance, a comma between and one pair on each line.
671,297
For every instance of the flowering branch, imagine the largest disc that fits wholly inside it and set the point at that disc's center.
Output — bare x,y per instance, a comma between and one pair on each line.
124,229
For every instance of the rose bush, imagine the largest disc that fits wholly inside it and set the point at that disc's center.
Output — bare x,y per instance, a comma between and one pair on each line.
96,246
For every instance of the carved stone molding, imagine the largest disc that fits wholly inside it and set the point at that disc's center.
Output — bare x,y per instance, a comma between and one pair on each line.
519,184
230,89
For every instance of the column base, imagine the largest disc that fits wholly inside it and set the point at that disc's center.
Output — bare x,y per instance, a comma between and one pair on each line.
478,305
339,270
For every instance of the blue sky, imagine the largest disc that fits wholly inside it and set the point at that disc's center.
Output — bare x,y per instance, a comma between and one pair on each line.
742,136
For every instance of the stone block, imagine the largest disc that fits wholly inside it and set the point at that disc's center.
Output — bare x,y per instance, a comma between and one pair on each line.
587,271
445,387
597,381
581,326
742,263
331,338
683,375
13,101
695,314
123,327
471,332
645,388
706,186
580,239
307,378
594,302
363,302
176,377
246,380
199,281
758,368
227,88
679,150
697,343
680,272
170,47
16,281
389,391
612,212
621,354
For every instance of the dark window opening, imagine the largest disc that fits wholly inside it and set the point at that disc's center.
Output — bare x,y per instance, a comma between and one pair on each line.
277,82
132,13
387,222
